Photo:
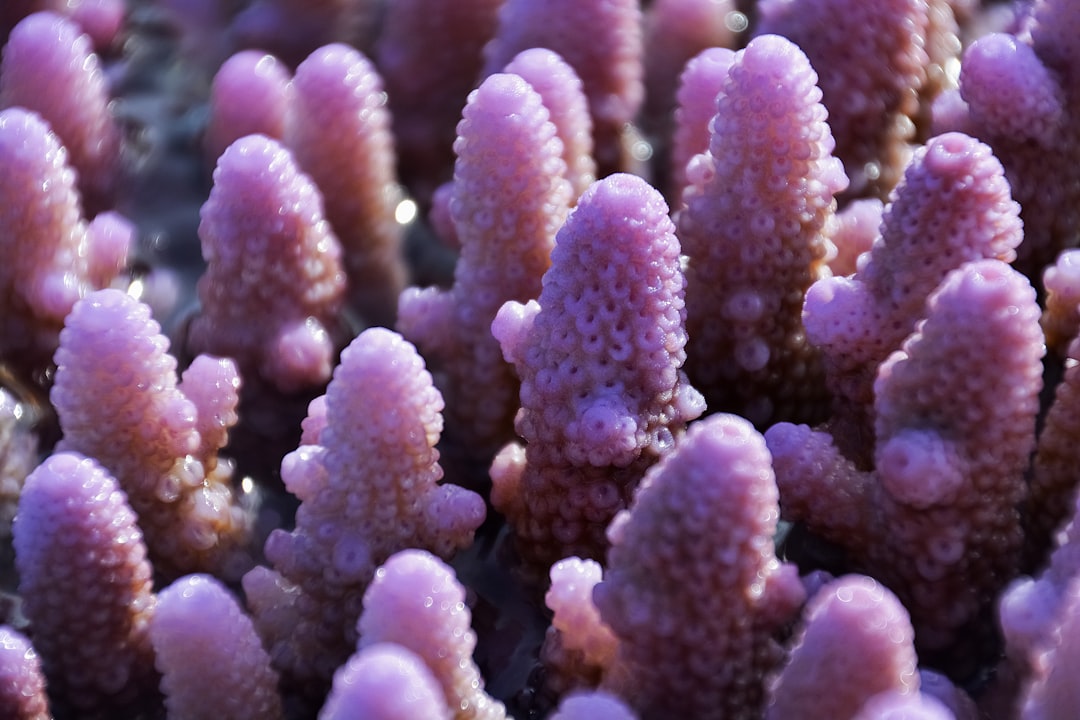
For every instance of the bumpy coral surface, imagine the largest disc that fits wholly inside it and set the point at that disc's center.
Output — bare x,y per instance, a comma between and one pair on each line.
509,198
22,685
599,357
52,257
856,639
50,68
385,681
416,601
368,486
753,225
250,95
209,657
696,636
936,469
871,104
339,133
699,83
273,284
86,587
118,400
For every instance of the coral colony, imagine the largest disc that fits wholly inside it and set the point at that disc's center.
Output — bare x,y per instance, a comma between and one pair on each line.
572,359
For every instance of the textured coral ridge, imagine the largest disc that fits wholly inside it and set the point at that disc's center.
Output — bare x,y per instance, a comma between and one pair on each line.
599,358
22,685
86,587
753,225
274,283
947,484
118,400
696,611
367,477
510,195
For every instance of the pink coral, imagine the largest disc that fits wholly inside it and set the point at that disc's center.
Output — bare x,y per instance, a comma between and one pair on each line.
947,483
599,359
952,206
430,54
292,29
856,639
22,686
250,95
273,285
86,587
416,601
385,681
208,654
753,226
509,198
871,104
368,486
118,400
700,82
602,40
693,589
53,256
339,133
49,67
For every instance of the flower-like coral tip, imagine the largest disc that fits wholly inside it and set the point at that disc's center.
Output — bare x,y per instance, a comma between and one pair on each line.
385,681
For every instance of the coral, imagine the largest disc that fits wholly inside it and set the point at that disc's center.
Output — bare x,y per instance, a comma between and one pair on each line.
592,706
599,359
701,81
952,206
368,486
603,41
53,256
339,133
856,639
416,601
86,588
756,209
564,97
430,55
208,654
118,401
385,681
273,285
697,634
946,484
22,685
48,51
871,104
293,29
509,198
250,95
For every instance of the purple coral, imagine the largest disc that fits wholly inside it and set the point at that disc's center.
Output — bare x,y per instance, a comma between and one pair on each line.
208,654
697,636
599,359
700,82
53,257
430,54
273,285
416,601
856,639
292,29
871,104
385,681
510,196
339,133
368,486
118,400
49,67
86,587
947,483
756,210
952,206
250,95
603,41
22,685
